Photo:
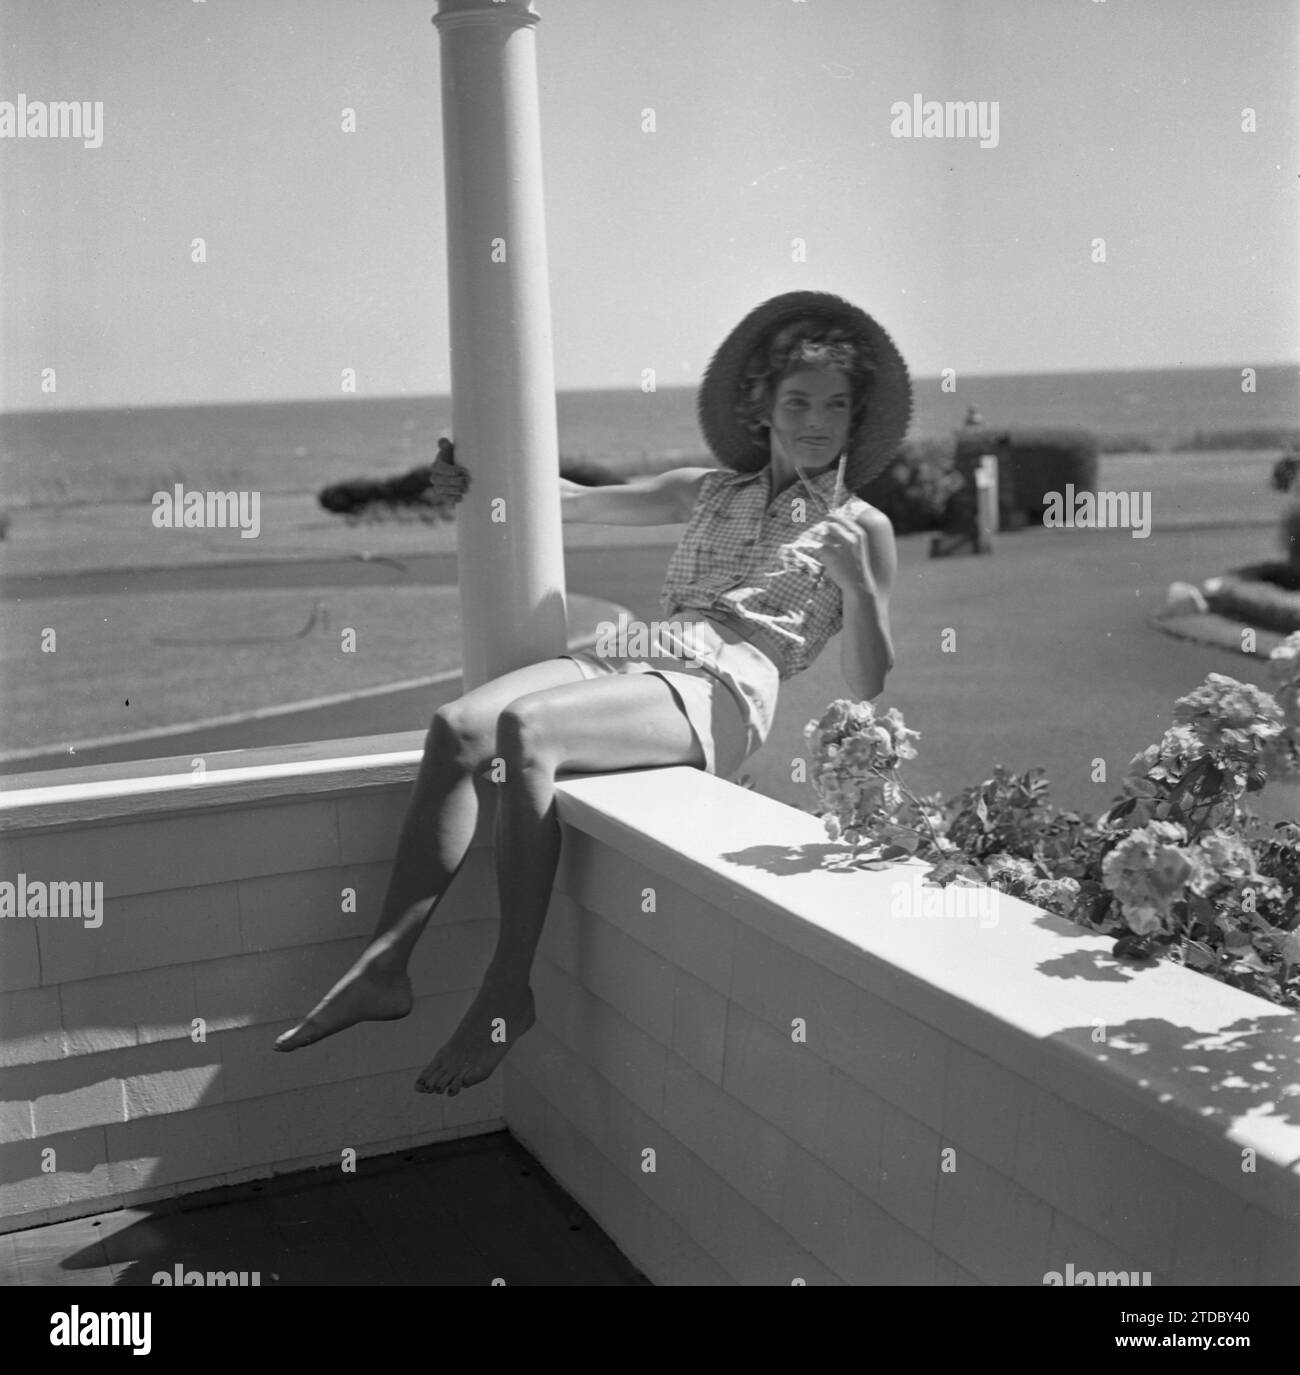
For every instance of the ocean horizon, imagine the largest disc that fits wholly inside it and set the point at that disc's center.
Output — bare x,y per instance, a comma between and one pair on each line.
114,454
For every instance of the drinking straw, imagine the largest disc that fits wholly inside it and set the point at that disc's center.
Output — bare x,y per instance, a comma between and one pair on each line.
839,482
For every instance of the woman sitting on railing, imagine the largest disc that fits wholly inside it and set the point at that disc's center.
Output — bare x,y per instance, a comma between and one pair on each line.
805,401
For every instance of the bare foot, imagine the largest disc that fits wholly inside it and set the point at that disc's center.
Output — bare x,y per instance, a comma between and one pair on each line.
497,1018
371,991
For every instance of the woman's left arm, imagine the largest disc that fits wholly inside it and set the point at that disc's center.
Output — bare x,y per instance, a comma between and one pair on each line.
860,555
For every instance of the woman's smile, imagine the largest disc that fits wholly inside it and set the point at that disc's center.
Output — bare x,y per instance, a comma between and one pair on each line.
821,399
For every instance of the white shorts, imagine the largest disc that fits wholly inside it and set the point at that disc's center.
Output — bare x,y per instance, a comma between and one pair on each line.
726,687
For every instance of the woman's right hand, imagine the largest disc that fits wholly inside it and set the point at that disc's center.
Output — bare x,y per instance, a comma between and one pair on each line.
448,481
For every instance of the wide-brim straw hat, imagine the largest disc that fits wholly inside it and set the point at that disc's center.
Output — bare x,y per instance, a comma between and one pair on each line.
872,445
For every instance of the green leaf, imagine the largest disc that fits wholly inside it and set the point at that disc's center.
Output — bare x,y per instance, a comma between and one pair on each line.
1134,947
1199,956
1202,910
902,838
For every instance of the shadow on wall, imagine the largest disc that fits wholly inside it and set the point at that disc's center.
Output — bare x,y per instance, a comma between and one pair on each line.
239,922
139,1055
1237,1067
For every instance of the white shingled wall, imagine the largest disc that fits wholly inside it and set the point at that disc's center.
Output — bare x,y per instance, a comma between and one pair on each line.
232,915
943,1118
886,1148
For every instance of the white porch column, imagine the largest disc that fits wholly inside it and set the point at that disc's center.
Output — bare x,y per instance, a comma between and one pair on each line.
502,372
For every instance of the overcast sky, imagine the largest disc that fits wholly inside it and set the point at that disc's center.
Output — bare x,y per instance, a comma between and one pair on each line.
1117,119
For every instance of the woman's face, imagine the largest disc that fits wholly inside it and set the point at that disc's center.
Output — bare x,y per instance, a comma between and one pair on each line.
810,415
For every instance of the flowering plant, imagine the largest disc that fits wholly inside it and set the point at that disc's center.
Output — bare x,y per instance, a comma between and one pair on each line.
1175,866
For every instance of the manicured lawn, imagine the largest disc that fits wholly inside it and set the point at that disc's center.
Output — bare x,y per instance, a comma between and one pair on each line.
124,663
1053,660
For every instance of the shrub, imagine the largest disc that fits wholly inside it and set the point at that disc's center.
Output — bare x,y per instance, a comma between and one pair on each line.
1175,867
409,490
1031,463
589,473
348,497
1254,437
916,489
400,496
930,484
1254,599
1126,444
1291,534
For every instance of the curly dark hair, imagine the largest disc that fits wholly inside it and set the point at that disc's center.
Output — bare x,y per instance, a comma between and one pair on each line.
806,343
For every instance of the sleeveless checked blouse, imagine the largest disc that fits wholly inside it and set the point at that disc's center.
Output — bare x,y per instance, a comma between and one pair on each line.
739,555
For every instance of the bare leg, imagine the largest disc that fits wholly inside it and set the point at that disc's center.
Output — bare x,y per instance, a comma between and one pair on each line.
435,838
609,723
